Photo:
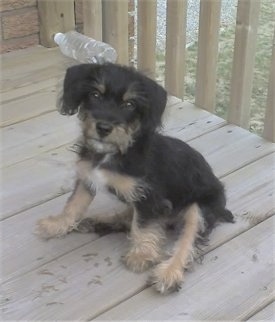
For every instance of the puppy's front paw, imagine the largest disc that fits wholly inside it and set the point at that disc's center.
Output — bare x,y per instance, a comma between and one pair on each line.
138,261
52,227
166,277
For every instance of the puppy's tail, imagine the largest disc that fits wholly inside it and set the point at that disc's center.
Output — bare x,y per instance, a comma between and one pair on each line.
213,215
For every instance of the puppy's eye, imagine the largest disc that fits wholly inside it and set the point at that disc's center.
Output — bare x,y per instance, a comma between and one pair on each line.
95,94
129,105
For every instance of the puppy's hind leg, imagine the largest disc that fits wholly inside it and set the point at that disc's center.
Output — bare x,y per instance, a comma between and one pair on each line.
169,274
75,208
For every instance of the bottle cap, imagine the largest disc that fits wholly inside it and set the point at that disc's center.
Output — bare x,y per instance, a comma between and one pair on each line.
58,37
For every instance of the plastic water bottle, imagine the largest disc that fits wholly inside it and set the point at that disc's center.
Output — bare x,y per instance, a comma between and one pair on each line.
84,49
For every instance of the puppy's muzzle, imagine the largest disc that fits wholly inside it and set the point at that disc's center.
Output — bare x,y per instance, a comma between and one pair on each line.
103,129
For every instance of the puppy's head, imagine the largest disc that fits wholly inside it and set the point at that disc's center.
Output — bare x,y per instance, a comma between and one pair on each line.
115,104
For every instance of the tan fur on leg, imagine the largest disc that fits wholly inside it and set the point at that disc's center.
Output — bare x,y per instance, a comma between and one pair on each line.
74,210
145,246
168,275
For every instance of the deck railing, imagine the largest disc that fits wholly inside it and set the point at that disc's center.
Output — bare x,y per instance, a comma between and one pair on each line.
108,20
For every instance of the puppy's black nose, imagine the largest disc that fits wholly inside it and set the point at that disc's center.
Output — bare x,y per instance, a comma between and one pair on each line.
103,128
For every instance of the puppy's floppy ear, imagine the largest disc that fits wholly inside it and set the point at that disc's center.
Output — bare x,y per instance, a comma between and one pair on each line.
74,89
157,97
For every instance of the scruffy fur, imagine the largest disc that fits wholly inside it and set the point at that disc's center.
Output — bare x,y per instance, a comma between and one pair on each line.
162,180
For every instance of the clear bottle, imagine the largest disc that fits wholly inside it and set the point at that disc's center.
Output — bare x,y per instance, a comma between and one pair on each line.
84,49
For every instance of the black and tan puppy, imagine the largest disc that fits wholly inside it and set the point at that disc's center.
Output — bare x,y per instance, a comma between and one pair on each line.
162,180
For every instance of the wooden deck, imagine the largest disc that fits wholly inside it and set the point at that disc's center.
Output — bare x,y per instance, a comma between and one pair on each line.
80,277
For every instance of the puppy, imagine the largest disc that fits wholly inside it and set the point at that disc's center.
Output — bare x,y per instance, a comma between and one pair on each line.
162,180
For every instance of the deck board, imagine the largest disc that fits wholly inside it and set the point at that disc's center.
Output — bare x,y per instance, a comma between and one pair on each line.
226,149
246,205
78,277
238,262
266,314
57,164
29,106
37,135
38,252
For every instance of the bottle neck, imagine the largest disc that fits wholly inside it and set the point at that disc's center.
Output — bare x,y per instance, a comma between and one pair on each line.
58,38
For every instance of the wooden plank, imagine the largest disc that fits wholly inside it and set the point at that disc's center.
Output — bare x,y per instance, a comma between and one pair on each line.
250,192
266,314
46,165
230,148
175,47
19,78
55,16
22,92
227,149
33,77
243,62
209,25
115,27
92,18
234,298
146,33
269,123
17,58
13,66
247,194
18,234
35,136
36,180
47,297
28,106
80,275
250,197
41,134
184,114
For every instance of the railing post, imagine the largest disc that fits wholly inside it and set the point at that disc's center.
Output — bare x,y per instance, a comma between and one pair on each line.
175,47
209,26
146,33
55,16
243,62
269,123
92,18
115,27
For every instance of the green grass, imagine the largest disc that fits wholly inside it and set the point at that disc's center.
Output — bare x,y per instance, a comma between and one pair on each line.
226,47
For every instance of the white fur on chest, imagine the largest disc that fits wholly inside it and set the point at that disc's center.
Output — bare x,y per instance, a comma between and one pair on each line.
129,188
98,179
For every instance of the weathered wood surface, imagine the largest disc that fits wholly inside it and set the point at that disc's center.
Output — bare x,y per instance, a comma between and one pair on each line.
36,135
243,62
266,314
55,16
115,27
175,42
78,277
92,19
234,264
146,33
37,252
269,123
205,96
252,203
57,164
